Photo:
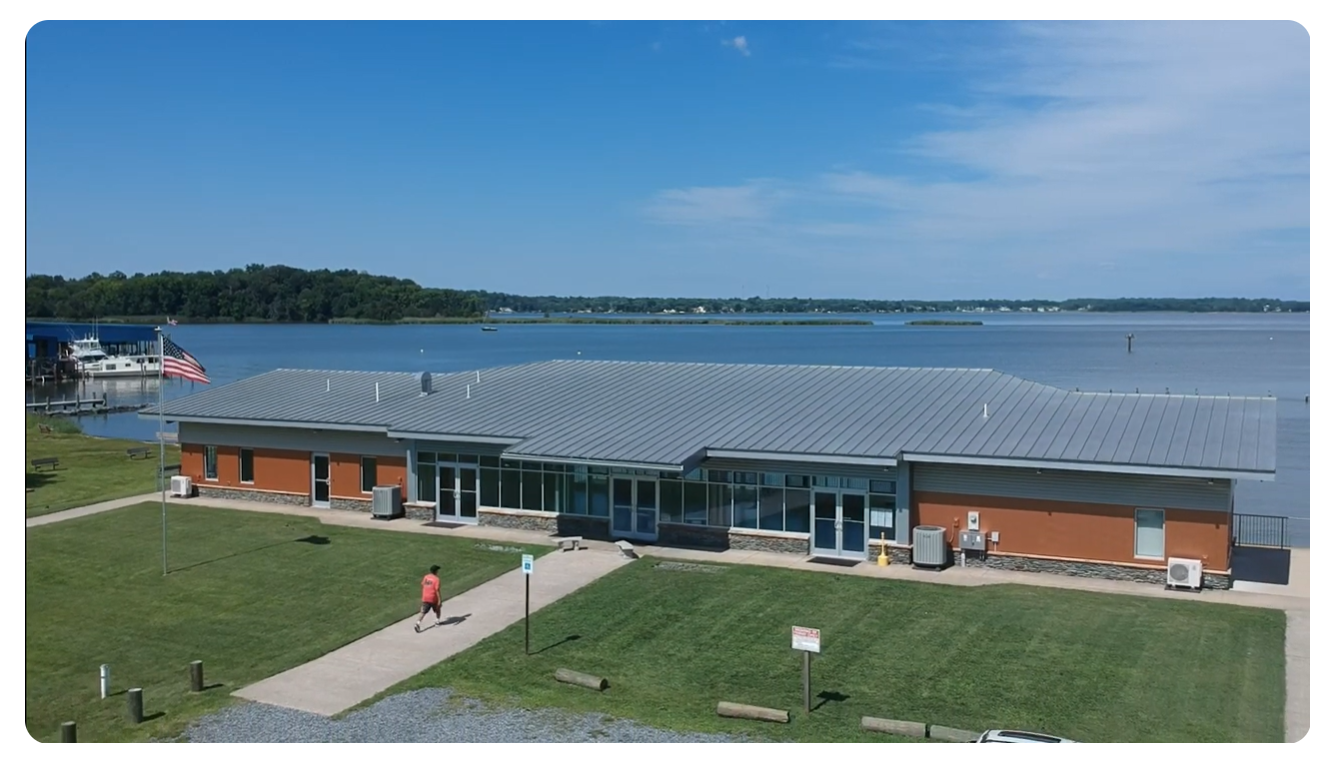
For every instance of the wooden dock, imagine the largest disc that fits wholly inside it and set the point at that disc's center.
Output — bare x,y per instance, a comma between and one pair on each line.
94,406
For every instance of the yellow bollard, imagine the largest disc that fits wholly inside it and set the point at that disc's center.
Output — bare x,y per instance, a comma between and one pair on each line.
882,560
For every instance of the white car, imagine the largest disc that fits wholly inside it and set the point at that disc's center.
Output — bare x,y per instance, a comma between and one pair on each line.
1007,735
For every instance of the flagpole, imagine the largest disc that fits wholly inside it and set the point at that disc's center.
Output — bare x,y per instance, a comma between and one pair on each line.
162,449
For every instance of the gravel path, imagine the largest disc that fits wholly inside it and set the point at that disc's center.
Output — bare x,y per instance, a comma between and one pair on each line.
425,716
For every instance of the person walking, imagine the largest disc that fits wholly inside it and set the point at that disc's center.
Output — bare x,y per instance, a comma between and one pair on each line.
430,597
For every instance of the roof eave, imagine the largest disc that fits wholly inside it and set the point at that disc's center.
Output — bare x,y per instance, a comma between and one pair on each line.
801,457
1060,465
504,441
312,425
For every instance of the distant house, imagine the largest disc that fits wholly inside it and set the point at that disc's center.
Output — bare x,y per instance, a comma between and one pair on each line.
805,460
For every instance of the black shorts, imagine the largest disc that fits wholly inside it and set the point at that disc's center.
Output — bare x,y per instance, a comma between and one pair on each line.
428,606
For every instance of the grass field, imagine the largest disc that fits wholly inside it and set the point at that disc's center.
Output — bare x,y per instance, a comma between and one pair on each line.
249,594
91,470
1091,667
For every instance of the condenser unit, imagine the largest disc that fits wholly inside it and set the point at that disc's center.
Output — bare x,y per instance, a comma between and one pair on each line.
1184,573
929,547
180,486
385,501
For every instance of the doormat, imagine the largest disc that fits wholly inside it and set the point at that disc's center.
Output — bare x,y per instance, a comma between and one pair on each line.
834,562
442,525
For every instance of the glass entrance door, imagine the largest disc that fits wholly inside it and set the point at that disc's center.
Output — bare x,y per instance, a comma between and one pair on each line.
634,508
825,524
447,494
467,493
839,524
320,481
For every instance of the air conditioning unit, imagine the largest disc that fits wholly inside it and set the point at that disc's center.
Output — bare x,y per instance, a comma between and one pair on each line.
180,486
386,501
1184,573
929,547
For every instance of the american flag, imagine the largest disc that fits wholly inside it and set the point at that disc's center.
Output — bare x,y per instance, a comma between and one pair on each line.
178,363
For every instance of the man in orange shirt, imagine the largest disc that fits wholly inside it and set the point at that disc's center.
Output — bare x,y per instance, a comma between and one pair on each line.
430,597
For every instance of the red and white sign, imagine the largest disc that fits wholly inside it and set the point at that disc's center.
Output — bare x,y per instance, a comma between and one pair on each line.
806,639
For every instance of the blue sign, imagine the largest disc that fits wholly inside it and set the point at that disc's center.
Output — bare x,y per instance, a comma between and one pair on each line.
527,564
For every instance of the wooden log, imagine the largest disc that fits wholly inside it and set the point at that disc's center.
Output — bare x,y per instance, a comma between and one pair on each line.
737,710
580,679
891,726
947,734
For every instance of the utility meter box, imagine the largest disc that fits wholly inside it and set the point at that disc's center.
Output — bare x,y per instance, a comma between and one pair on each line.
973,521
973,541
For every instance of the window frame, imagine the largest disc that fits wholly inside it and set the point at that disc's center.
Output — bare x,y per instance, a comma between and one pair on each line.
210,460
365,489
241,465
1163,535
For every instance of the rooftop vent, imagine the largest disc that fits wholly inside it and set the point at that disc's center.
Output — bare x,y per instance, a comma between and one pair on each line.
424,378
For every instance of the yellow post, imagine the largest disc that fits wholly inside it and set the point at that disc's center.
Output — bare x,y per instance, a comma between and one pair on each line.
882,560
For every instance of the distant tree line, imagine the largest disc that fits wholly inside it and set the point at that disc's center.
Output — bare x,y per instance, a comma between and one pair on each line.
286,294
255,293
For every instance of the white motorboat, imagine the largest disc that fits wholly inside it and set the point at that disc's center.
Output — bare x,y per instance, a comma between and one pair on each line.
91,360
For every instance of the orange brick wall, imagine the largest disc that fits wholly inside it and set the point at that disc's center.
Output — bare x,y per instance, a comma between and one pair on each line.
1075,530
290,471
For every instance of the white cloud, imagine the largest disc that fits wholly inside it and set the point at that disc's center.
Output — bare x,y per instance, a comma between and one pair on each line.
1177,152
749,203
738,42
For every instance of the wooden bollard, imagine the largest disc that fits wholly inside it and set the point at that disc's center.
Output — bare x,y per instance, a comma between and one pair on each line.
737,710
67,732
948,734
581,679
891,726
135,701
197,676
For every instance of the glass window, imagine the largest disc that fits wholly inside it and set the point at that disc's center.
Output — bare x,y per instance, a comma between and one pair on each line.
772,479
669,495
798,481
1149,533
468,459
719,476
445,457
247,465
881,509
509,488
797,510
602,471
489,487
531,488
368,474
720,505
695,474
825,481
553,468
553,492
745,506
771,508
490,461
426,482
426,457
527,466
211,463
577,492
509,464
744,477
598,496
854,483
695,503
882,487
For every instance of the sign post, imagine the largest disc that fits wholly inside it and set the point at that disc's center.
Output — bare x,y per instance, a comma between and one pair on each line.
806,640
526,564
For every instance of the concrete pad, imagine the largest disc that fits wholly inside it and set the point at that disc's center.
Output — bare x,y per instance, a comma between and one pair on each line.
356,672
1297,675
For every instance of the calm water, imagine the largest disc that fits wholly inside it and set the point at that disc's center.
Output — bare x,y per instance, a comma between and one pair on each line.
1208,354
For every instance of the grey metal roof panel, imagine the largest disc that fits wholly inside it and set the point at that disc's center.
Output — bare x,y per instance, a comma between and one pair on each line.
666,413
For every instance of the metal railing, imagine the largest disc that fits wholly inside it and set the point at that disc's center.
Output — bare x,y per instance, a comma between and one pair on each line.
1261,531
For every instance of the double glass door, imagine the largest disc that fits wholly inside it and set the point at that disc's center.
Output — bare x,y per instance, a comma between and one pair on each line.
456,493
634,508
839,524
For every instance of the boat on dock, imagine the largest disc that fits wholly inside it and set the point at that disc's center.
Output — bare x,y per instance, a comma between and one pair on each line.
488,328
91,360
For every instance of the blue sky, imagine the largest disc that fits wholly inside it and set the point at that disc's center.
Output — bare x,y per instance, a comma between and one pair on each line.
877,160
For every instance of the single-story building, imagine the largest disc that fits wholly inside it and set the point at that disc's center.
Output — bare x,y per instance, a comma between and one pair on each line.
811,460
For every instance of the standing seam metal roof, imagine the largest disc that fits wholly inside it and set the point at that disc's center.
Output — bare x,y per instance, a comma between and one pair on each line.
665,413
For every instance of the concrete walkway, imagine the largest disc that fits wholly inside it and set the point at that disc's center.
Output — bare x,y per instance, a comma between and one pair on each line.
355,673
89,510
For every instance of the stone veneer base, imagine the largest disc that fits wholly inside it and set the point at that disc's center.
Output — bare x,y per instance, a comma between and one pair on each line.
233,493
492,518
1092,569
770,543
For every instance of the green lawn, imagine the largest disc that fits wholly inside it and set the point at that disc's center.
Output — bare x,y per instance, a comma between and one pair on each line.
91,470
1091,667
249,594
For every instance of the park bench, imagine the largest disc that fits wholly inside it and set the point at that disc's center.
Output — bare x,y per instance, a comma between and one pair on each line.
627,549
569,543
135,452
38,463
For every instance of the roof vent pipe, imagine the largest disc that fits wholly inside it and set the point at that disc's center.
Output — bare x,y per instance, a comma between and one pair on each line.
424,381
377,391
468,392
479,376
984,410
326,385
